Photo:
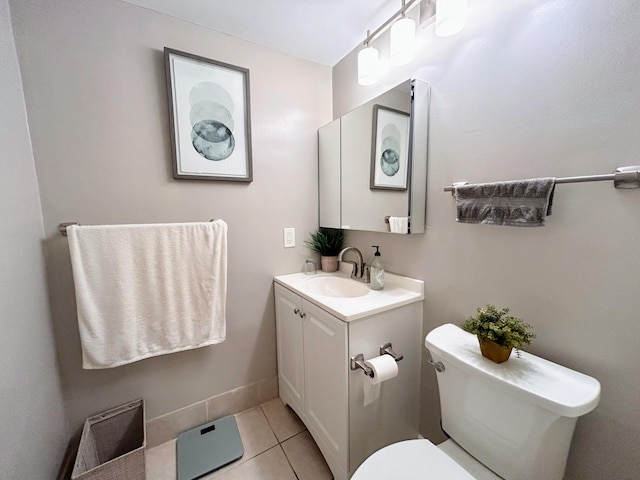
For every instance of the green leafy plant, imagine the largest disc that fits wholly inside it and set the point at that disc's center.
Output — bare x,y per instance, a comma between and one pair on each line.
326,241
499,327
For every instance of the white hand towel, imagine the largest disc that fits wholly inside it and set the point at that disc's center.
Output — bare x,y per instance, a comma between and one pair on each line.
146,290
399,224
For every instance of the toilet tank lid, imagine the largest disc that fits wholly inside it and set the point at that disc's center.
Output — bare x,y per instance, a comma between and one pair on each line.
551,386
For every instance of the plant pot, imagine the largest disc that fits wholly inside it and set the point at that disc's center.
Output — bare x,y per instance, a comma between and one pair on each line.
329,264
493,351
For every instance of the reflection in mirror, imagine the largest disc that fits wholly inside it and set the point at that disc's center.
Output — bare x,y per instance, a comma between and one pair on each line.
329,175
373,163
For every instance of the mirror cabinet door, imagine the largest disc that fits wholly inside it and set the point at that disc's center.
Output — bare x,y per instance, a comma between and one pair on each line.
372,163
363,207
329,175
419,149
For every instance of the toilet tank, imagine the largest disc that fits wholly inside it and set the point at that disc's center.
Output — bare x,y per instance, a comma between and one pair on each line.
518,417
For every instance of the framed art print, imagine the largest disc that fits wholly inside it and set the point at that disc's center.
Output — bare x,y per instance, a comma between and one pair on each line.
389,149
210,118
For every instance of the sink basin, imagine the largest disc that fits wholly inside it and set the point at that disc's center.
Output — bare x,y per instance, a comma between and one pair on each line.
336,287
348,299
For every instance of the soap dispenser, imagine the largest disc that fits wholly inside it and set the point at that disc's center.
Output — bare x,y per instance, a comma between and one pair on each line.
377,271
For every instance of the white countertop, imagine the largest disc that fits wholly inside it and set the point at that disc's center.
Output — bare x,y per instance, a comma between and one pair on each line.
398,291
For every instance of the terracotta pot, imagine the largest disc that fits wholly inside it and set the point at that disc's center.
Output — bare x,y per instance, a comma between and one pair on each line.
493,351
329,264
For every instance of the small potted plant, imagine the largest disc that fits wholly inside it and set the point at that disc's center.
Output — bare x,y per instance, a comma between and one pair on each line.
498,332
328,243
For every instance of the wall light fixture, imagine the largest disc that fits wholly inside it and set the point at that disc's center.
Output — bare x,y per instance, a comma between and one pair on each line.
403,38
449,15
368,65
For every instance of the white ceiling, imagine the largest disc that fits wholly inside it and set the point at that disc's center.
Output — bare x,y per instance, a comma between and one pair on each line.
322,31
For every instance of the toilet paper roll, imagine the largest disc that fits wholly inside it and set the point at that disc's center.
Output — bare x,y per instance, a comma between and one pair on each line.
384,368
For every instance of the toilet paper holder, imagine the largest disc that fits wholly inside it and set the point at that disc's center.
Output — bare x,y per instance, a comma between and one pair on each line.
386,349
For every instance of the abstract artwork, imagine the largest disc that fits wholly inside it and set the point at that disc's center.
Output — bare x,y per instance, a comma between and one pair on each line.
389,149
210,118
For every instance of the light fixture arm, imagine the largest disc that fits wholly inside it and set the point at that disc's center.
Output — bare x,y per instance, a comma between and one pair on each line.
366,42
406,7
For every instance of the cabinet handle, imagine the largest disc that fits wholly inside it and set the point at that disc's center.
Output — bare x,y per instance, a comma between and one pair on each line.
296,311
303,315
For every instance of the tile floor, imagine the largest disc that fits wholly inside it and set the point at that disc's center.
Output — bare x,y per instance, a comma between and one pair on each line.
277,446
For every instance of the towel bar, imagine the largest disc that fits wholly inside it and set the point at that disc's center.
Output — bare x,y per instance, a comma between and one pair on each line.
387,217
625,177
62,228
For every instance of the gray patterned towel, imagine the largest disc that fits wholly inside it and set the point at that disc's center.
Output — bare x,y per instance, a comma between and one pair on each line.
520,203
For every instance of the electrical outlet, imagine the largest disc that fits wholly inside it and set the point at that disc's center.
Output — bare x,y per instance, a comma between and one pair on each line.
289,237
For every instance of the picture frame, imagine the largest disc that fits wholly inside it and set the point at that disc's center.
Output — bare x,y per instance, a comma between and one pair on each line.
389,149
210,118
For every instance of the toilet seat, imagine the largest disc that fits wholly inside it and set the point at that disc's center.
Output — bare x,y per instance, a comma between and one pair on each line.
409,460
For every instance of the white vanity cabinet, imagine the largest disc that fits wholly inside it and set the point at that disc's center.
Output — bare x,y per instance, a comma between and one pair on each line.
312,346
316,338
290,351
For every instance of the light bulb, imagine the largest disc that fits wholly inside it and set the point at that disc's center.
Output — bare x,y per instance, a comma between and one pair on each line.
451,16
368,66
403,35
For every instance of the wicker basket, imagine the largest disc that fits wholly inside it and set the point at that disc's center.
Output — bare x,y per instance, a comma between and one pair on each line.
112,445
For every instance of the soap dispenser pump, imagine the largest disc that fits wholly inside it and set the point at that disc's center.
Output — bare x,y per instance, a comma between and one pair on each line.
377,271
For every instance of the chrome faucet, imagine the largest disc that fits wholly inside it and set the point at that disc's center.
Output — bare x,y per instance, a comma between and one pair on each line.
360,271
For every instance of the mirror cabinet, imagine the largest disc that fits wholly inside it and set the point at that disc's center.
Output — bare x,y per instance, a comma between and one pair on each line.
373,163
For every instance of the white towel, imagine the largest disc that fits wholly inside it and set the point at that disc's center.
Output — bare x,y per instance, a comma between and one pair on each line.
146,290
399,224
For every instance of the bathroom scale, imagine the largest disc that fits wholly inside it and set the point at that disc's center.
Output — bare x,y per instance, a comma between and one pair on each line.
207,448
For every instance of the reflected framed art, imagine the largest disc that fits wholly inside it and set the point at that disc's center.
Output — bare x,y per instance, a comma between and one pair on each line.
389,149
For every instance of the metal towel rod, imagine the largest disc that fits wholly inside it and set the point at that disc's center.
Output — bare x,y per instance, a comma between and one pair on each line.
625,177
62,228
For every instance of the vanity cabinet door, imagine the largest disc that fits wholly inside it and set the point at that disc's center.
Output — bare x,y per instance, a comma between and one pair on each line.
290,356
326,381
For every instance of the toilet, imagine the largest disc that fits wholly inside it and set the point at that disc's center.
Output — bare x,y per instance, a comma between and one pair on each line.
511,421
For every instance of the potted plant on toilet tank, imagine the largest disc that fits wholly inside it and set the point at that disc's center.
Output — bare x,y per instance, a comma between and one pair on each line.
498,332
328,243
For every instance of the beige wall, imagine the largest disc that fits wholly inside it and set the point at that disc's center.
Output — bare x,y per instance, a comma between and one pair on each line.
96,100
33,417
527,89
534,89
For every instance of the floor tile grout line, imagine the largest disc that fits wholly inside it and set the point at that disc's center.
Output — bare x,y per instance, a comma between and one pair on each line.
285,456
271,426
313,440
289,462
266,417
253,458
283,441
